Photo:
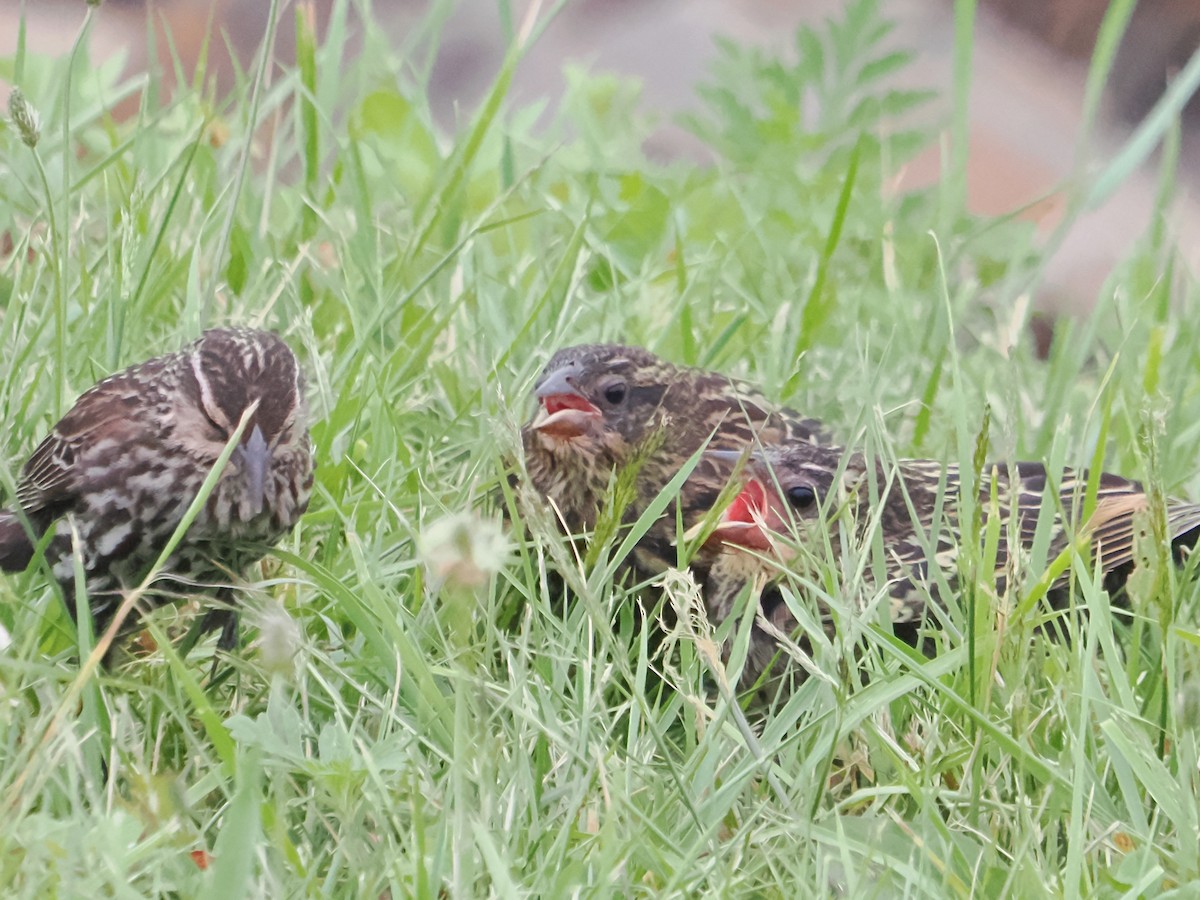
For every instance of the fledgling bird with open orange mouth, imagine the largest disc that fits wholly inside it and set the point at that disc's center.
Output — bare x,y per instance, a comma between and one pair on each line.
606,408
798,500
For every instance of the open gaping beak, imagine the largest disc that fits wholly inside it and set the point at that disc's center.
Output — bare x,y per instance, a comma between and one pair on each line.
743,523
565,413
254,457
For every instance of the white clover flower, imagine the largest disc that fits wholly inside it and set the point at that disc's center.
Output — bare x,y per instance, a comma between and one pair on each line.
279,640
463,550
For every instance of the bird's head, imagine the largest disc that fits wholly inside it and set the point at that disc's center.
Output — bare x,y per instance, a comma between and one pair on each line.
783,490
600,393
232,372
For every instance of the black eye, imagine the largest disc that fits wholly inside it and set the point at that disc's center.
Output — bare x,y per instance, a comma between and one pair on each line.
801,496
614,393
213,422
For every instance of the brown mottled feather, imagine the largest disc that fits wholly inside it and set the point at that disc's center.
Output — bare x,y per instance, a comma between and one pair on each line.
110,412
664,415
765,518
127,459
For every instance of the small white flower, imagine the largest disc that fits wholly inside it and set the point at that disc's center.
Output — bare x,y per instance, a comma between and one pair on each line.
279,640
463,550
5,639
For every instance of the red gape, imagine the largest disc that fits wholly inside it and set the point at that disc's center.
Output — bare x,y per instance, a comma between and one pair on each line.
565,416
748,506
746,522
558,402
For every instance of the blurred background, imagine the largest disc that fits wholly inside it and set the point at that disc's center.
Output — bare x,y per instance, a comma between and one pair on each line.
1026,104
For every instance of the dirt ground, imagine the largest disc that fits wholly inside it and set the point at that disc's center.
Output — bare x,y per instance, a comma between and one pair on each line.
1029,73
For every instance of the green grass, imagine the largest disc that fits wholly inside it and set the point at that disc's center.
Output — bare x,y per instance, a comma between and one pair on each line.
515,738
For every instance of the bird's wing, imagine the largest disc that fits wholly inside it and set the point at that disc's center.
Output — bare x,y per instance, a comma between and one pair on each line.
1109,527
1020,490
105,413
49,476
1113,526
1183,520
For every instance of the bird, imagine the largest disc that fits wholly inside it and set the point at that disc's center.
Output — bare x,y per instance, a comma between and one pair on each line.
117,473
796,500
610,415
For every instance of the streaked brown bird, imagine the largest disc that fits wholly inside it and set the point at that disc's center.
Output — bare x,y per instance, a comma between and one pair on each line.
124,464
797,500
607,409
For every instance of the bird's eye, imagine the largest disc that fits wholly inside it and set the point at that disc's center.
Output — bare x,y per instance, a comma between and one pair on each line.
614,393
214,424
215,427
801,496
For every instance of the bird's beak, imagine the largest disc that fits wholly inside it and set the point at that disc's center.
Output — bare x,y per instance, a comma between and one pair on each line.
255,459
742,524
725,456
556,382
747,535
754,459
565,413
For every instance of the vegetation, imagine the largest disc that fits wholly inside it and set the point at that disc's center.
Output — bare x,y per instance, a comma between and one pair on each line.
421,711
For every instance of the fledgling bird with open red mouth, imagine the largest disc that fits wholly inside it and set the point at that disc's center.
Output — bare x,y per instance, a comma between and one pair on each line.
605,407
798,500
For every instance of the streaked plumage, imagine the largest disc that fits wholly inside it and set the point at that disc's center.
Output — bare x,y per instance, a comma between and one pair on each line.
604,407
129,457
796,495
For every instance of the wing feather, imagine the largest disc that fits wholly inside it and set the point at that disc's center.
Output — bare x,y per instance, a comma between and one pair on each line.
50,476
108,411
1021,489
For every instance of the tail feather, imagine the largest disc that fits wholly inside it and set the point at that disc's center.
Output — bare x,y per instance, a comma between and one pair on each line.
1112,528
1184,522
16,550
